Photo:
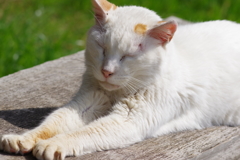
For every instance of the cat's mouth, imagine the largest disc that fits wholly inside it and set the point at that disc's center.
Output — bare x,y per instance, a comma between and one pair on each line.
108,86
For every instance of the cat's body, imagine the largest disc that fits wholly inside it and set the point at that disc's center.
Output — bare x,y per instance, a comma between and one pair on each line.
142,81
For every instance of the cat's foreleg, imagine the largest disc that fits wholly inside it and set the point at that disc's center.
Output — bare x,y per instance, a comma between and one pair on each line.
62,120
80,111
119,129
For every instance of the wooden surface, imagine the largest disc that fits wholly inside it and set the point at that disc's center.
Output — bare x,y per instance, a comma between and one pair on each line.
28,96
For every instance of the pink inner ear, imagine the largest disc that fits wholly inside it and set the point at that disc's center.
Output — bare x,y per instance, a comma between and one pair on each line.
99,13
164,32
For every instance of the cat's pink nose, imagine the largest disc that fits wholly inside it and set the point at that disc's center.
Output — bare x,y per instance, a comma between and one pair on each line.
106,73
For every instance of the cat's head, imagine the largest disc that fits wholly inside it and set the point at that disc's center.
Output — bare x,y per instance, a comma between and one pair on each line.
123,46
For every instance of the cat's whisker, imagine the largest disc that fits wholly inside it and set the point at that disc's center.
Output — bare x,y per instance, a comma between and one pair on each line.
139,82
128,84
126,89
135,88
130,89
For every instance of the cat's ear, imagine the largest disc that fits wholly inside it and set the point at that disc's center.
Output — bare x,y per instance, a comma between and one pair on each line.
101,9
163,32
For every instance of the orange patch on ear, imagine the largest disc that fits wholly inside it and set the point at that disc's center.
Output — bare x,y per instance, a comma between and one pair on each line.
107,6
161,21
114,7
140,28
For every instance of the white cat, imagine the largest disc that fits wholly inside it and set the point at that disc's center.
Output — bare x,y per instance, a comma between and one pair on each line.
144,78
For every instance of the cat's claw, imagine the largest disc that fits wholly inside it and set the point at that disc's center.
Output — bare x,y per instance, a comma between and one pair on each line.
49,150
16,144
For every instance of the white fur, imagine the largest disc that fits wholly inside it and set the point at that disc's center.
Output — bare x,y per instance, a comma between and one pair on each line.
192,82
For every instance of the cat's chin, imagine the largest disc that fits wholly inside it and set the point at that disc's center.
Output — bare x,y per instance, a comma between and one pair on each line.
109,86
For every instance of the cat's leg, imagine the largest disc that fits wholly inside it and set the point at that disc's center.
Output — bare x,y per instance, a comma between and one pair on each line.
65,119
190,120
199,119
62,120
119,129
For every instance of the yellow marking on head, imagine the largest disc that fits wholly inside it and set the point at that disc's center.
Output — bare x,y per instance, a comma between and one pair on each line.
140,28
107,6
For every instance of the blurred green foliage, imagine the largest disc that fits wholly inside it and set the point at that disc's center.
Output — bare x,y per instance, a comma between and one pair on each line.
35,31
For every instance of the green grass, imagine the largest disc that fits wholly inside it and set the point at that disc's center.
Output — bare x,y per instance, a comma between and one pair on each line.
35,31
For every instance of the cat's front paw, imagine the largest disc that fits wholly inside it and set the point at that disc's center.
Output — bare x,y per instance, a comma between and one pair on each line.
50,150
16,144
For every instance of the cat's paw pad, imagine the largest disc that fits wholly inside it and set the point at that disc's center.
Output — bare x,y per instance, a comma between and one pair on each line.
49,150
16,144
